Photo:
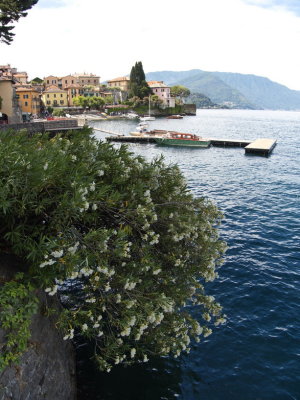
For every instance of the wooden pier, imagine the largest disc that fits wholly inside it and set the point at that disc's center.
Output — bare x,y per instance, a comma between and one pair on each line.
259,146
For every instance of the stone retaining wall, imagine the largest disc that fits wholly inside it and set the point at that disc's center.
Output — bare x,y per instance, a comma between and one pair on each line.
47,369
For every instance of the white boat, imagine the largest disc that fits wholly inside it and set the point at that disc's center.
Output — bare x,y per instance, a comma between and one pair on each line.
148,117
132,115
140,129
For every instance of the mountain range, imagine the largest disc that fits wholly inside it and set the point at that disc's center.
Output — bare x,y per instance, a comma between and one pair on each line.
232,90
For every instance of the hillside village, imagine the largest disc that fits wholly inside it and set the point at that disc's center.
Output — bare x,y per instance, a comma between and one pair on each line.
21,100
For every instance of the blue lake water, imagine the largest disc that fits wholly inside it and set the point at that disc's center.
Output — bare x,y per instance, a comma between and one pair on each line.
256,354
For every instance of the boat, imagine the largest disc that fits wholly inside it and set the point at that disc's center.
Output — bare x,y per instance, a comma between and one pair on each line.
131,115
182,139
148,117
177,116
140,129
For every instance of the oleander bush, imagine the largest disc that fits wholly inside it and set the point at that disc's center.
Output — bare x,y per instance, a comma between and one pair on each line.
122,242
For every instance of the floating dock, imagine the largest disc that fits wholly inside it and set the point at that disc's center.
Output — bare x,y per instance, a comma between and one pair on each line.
260,146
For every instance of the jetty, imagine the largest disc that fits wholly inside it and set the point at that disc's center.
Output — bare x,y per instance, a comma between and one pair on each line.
260,146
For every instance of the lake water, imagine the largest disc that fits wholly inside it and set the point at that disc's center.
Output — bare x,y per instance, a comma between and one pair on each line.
256,354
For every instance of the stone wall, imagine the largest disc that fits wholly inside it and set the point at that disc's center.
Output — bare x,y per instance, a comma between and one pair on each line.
189,109
47,369
46,126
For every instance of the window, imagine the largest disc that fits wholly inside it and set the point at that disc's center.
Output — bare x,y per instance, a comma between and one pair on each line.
25,96
48,81
72,81
66,81
48,102
61,102
48,95
17,96
26,103
61,95
54,95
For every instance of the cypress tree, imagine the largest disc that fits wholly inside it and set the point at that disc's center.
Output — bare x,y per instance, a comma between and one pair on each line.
138,84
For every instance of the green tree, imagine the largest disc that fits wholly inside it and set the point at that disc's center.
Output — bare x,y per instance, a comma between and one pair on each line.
109,100
11,11
37,81
96,102
121,240
138,84
81,101
180,91
59,113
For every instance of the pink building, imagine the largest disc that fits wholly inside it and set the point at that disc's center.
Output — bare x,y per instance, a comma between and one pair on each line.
163,92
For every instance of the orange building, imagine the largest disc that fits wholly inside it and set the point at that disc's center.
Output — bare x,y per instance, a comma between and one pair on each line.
29,100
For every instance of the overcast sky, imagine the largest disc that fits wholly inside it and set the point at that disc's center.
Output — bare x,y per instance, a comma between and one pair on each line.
60,37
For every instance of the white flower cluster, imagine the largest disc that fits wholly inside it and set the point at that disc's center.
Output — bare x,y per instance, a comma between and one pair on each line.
86,271
155,319
108,272
220,321
147,196
90,300
126,250
126,331
51,291
72,249
70,335
154,238
206,331
55,254
130,303
129,285
156,271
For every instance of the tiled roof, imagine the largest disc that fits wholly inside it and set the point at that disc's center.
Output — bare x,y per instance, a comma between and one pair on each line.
24,89
54,89
123,78
157,84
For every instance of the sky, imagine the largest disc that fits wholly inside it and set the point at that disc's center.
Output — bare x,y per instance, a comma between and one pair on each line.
61,37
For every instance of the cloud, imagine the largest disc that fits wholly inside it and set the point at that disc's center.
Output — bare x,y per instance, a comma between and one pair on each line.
288,5
51,3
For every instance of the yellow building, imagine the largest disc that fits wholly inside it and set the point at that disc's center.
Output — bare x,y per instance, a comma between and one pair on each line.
29,100
123,83
10,111
55,97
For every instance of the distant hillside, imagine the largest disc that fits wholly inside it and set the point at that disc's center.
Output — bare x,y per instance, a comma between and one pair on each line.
232,89
201,101
262,91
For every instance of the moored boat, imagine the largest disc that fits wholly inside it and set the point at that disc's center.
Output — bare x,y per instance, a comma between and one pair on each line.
182,139
175,116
